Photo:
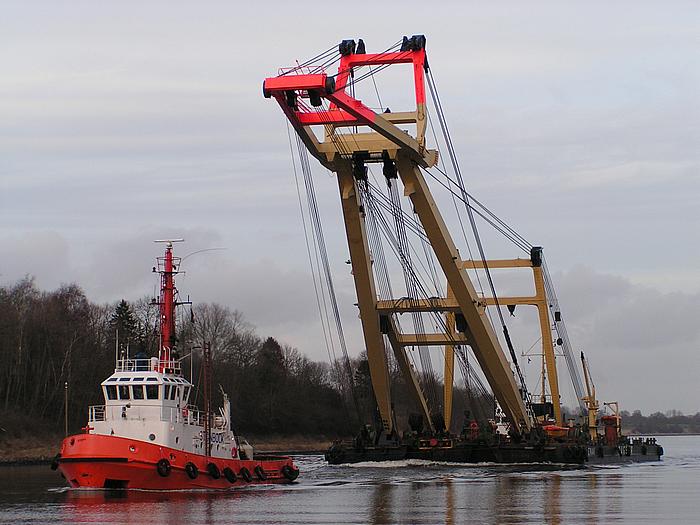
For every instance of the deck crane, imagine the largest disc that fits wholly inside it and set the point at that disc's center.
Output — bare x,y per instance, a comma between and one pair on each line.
590,400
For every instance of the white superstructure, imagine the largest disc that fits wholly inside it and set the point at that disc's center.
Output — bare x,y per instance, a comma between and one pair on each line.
148,400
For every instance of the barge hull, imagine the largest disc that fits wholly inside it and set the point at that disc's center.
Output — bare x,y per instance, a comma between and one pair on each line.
504,453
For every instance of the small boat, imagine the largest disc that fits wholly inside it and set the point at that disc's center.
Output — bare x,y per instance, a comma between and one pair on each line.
147,435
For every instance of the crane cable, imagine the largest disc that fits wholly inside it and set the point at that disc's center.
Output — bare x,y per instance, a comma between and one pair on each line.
324,267
472,221
388,233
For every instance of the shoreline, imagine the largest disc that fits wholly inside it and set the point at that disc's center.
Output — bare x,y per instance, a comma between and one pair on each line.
19,452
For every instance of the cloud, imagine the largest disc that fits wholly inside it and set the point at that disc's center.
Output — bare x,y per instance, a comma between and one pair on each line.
642,343
578,125
43,254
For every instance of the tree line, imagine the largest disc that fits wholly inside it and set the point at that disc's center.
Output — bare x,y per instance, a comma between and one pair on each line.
52,338
672,422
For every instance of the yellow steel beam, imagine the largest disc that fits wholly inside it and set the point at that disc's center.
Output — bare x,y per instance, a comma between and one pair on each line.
413,147
449,372
503,301
432,339
547,343
439,304
472,264
487,349
403,305
354,142
365,289
409,374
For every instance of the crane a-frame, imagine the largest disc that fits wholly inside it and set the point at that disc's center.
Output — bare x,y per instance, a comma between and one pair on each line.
353,136
311,98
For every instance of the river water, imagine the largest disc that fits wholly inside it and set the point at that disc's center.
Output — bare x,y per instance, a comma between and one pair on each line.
410,492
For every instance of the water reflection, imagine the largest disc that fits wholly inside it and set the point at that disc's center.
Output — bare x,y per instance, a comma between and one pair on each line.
173,507
419,494
380,507
517,497
449,502
551,502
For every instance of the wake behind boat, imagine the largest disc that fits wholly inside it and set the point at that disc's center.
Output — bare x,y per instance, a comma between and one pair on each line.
147,435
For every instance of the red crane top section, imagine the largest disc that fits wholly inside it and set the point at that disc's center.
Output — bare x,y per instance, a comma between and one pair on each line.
344,109
301,91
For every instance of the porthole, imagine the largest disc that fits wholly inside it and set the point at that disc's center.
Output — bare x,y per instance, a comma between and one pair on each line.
152,437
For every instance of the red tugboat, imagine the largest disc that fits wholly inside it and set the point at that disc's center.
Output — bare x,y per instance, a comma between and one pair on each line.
147,436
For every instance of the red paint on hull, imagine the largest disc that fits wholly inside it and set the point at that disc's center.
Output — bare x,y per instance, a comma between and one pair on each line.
98,461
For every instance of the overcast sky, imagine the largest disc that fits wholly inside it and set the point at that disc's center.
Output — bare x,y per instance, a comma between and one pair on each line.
122,122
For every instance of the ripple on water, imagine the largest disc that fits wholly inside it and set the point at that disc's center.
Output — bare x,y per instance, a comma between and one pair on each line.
407,492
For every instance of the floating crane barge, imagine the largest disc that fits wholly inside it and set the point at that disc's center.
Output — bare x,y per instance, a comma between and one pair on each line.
354,136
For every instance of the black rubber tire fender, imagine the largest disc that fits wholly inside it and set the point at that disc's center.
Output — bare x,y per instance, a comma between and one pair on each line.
191,470
213,470
230,475
290,473
163,468
260,473
246,475
568,454
55,461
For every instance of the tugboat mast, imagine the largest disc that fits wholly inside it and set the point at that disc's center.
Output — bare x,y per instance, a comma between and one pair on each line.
167,305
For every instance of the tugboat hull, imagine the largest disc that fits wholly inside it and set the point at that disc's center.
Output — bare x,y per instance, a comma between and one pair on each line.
98,461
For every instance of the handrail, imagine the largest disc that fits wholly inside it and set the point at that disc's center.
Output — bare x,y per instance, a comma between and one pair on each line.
189,415
152,364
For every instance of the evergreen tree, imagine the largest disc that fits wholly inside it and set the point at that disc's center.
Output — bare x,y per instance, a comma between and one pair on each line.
123,324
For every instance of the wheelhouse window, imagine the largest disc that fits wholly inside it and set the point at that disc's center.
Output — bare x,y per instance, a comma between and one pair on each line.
166,393
152,391
137,391
186,393
123,392
111,391
173,391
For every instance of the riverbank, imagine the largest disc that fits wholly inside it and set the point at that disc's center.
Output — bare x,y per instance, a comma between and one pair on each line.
34,450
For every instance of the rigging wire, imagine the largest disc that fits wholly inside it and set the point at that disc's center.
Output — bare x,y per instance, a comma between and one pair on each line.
376,201
323,266
560,328
472,221
388,233
329,344
321,56
412,291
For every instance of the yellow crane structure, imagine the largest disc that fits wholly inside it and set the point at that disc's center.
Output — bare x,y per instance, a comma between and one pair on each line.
590,400
376,138
349,138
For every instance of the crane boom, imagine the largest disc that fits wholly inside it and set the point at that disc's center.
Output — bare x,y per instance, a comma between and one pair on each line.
300,94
